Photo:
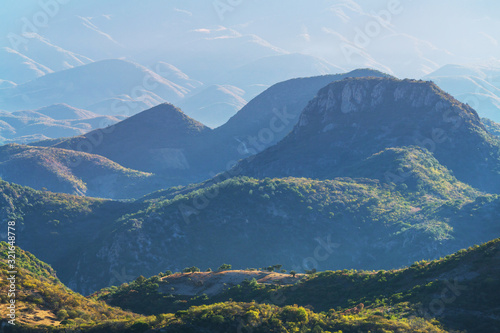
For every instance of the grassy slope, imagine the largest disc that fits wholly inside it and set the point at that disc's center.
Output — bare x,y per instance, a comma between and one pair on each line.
42,300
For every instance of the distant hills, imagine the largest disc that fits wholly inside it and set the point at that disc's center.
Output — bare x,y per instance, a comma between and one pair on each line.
92,83
50,122
165,141
37,57
277,68
478,86
214,105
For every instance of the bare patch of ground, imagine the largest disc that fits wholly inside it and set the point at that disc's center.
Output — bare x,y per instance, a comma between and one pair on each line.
212,283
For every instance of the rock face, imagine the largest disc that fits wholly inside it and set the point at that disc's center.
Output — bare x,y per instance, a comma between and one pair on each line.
353,119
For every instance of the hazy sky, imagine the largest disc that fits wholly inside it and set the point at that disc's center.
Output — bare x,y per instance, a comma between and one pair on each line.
416,38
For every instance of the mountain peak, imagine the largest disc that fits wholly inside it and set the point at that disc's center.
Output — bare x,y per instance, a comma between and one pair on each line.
165,117
155,139
376,102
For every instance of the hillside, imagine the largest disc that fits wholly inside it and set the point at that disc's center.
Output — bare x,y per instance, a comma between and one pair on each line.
367,220
461,281
42,300
44,304
353,119
67,171
458,291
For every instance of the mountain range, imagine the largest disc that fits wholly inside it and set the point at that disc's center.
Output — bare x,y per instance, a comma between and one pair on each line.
50,122
388,193
180,150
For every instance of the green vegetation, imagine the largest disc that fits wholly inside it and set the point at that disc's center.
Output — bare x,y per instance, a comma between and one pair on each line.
458,292
267,221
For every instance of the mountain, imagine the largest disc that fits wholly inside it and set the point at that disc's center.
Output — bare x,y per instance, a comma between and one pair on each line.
477,86
35,56
50,122
214,105
125,105
353,119
72,172
89,84
267,118
270,116
162,138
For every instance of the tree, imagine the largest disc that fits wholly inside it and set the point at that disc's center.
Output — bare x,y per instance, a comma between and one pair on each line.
292,273
224,267
62,314
191,269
